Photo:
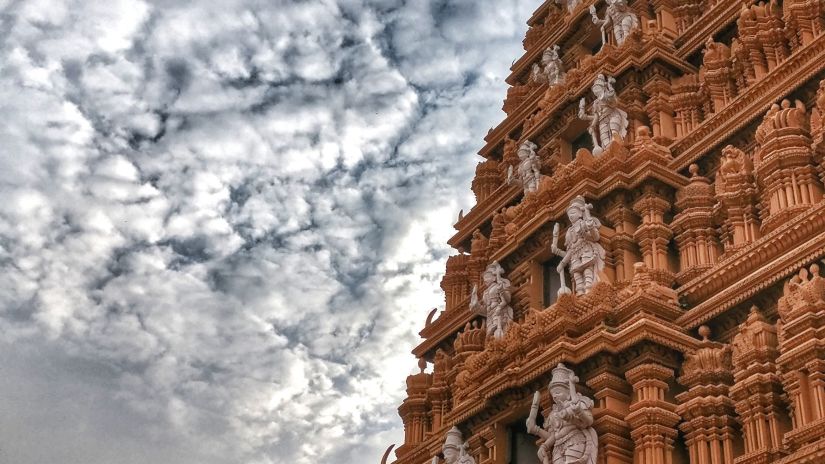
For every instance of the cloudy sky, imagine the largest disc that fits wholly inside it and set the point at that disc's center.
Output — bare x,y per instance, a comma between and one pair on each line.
223,222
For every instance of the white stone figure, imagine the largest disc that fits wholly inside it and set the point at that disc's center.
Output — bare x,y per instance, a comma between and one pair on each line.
571,4
551,69
495,301
528,168
455,449
568,434
618,14
606,118
584,255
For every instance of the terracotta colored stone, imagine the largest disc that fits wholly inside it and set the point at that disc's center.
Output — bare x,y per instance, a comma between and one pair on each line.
702,341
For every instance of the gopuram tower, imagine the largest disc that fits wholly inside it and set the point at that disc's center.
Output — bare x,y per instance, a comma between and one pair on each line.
641,278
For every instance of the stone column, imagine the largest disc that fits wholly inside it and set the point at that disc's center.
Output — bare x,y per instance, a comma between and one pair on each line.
612,394
652,418
757,390
654,235
693,227
802,312
785,170
622,243
707,410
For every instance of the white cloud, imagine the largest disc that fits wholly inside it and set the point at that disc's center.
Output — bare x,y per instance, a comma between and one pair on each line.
223,223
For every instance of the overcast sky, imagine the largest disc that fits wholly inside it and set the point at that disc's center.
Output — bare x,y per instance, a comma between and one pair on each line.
223,222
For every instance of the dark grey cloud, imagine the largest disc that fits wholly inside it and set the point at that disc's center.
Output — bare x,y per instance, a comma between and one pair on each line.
224,222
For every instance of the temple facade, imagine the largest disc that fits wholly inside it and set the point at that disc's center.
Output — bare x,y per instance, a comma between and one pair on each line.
641,278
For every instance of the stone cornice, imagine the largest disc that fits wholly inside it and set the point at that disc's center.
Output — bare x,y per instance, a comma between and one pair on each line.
714,20
747,272
564,29
482,212
752,104
653,48
591,189
575,351
446,325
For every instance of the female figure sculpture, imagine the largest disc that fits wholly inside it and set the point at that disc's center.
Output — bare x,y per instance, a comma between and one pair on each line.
584,255
550,71
606,118
618,14
495,301
568,435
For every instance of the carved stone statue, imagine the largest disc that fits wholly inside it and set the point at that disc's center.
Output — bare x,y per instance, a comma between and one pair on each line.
606,118
551,69
584,255
618,14
495,301
455,449
571,4
528,168
568,434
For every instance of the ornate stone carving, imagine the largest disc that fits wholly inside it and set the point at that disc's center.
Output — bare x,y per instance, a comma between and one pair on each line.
528,168
495,301
606,118
568,435
551,69
455,449
584,255
620,16
570,4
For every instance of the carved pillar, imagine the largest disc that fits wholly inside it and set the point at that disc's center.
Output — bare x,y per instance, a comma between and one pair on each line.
479,250
804,20
784,165
707,410
757,390
468,342
666,16
693,227
625,251
717,74
818,130
439,393
658,108
413,410
653,235
612,394
801,342
455,283
487,179
686,12
737,196
687,101
651,417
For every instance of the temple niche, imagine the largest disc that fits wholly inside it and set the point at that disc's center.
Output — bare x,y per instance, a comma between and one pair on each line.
641,279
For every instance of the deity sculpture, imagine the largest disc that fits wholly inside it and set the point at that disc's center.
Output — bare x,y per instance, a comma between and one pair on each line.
568,434
623,19
455,449
571,4
495,301
528,168
551,70
584,255
606,118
